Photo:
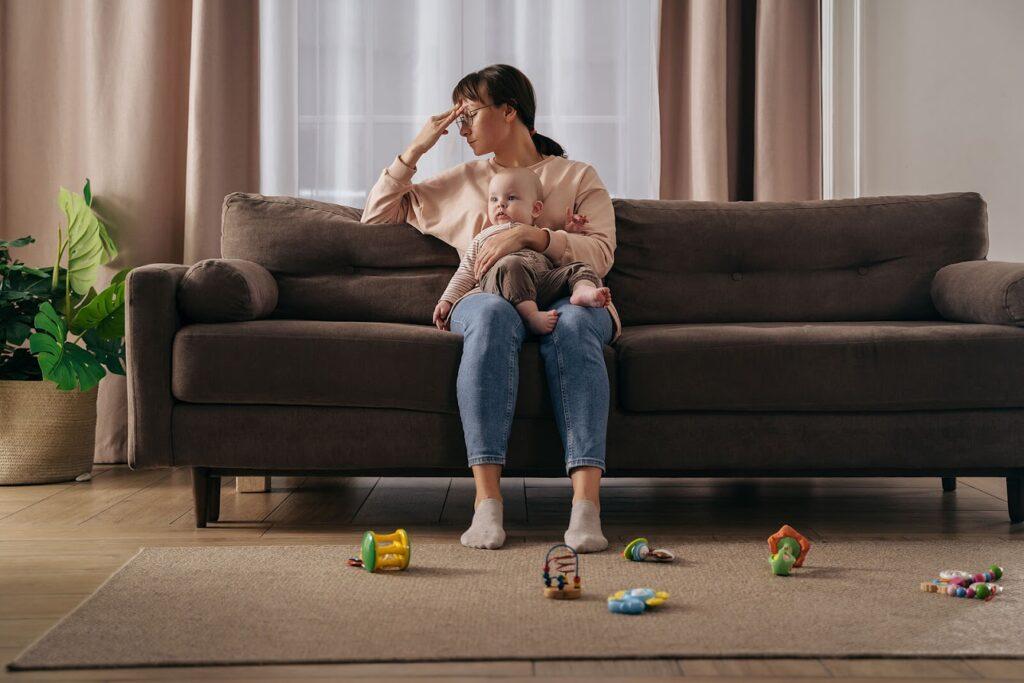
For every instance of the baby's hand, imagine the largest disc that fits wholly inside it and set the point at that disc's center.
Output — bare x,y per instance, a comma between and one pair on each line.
441,312
575,222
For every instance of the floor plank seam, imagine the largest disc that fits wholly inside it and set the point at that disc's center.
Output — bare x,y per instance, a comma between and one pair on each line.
264,518
444,503
991,495
159,480
55,493
351,519
175,520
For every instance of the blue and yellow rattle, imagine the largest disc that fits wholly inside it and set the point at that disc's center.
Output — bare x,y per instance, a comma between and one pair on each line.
635,600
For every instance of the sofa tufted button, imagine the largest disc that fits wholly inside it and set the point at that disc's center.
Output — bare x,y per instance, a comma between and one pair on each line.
863,270
737,276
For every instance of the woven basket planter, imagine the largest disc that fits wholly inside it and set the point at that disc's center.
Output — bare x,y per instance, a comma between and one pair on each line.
47,434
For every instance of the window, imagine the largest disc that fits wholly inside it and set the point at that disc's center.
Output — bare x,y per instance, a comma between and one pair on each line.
347,84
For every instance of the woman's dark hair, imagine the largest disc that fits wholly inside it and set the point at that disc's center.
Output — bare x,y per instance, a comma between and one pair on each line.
507,85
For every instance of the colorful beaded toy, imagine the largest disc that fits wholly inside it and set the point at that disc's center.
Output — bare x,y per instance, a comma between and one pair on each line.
959,584
564,565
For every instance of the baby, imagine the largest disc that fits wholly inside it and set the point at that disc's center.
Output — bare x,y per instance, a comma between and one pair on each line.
526,278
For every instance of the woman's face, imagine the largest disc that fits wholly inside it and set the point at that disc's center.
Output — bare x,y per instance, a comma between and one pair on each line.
486,126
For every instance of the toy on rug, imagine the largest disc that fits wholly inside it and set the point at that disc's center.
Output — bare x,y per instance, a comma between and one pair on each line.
564,564
635,600
383,551
638,550
959,584
789,549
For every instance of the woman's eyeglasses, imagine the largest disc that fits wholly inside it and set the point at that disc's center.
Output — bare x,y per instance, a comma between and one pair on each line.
467,118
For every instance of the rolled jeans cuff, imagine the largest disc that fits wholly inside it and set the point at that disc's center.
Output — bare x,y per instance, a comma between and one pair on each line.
584,462
486,460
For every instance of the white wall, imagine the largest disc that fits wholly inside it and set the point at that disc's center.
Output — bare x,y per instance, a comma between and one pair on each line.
941,104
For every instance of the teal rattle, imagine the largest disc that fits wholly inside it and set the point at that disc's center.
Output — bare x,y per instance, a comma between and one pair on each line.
638,550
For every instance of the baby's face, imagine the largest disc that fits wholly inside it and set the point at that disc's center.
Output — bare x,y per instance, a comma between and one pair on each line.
510,199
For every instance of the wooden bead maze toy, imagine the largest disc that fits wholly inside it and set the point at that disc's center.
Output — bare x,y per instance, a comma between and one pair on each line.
558,587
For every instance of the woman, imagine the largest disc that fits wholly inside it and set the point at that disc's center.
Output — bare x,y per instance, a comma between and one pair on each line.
495,110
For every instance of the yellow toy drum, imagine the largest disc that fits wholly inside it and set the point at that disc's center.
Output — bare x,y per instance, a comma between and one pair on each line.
385,551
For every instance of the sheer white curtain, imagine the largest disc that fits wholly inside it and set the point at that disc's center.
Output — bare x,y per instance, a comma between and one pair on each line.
345,85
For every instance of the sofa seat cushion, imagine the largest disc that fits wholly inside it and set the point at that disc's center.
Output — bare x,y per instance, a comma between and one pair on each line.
337,363
857,366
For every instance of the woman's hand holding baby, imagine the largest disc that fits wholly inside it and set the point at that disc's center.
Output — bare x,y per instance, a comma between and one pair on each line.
441,312
497,246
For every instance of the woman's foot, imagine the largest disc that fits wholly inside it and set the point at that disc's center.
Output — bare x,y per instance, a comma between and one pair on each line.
591,296
584,532
541,322
486,530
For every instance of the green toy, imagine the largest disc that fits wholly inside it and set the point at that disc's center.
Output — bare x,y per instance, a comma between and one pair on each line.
383,551
789,548
782,562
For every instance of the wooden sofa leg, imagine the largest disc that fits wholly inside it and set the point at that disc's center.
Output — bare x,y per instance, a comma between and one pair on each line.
213,514
1015,498
949,483
201,495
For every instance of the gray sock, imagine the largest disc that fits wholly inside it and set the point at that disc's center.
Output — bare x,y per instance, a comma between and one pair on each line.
584,532
486,530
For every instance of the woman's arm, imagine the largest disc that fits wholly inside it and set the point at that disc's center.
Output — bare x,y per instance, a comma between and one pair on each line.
393,197
535,238
597,247
389,201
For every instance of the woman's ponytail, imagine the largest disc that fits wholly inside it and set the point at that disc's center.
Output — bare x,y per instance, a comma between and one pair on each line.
547,146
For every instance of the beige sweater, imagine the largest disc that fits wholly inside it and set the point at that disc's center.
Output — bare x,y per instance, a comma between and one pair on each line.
452,206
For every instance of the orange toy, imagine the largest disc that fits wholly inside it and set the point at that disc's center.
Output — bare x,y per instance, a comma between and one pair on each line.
789,532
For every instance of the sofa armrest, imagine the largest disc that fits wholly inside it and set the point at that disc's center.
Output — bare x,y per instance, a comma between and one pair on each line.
151,321
980,292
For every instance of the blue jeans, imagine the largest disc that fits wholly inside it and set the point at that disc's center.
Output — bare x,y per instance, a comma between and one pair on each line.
488,380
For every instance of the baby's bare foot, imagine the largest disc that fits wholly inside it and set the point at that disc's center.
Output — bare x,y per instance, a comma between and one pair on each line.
594,297
542,322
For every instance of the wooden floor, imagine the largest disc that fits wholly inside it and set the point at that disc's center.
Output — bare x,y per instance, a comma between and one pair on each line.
59,542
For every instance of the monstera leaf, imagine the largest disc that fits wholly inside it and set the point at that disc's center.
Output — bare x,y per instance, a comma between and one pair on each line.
89,245
103,312
61,361
107,351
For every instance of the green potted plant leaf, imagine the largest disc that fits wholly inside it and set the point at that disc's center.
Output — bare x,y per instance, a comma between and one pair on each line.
59,338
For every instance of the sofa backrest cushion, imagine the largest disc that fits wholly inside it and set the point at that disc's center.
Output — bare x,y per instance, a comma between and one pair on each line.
871,258
329,266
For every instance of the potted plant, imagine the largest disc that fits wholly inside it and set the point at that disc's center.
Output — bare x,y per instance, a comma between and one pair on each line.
58,338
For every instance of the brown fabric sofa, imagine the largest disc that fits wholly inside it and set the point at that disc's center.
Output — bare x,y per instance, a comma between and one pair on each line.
827,338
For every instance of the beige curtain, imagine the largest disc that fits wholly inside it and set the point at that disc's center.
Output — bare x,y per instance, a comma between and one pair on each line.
739,99
155,101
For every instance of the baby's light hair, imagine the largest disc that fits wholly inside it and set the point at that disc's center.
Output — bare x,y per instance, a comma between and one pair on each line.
527,175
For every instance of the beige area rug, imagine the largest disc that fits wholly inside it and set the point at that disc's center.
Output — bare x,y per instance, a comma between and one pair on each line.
295,604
